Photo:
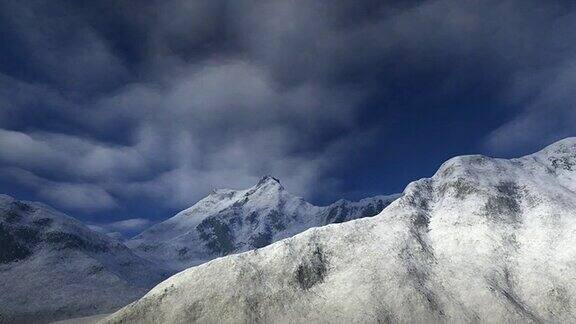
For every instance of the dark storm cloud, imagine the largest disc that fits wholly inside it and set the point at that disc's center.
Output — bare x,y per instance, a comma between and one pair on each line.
167,99
58,47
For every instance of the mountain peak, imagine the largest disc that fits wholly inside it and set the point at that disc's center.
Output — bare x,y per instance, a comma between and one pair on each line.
564,146
560,155
268,180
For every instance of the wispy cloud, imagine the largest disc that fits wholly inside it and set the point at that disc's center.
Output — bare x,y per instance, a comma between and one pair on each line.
549,112
122,229
86,197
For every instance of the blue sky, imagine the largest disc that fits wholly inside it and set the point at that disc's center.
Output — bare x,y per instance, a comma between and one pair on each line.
117,110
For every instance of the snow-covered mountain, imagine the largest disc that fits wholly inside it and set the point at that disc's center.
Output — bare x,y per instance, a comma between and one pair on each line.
231,221
52,266
483,240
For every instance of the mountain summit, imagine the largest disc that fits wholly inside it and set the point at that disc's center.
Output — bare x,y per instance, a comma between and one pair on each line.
483,240
268,180
231,221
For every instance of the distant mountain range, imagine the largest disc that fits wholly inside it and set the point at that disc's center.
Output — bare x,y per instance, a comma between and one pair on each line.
483,240
231,221
52,266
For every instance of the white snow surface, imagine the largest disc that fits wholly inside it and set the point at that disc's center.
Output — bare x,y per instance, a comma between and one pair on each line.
484,240
232,221
53,267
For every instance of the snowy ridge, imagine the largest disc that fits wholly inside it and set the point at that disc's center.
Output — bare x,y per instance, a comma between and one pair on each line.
483,240
231,221
52,266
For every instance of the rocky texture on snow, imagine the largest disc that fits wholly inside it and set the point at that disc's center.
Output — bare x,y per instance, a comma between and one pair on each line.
483,240
232,221
52,266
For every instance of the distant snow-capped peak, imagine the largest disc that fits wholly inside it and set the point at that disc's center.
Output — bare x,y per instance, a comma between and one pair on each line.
231,221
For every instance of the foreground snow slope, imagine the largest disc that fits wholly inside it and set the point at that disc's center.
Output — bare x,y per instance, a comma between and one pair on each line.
52,266
483,240
232,221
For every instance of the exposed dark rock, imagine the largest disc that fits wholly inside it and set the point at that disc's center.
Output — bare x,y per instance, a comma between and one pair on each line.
505,205
337,214
563,162
10,249
253,219
342,211
216,235
27,234
235,220
240,203
276,220
22,206
182,252
313,271
261,239
12,216
372,210
95,269
65,240
43,222
266,179
461,188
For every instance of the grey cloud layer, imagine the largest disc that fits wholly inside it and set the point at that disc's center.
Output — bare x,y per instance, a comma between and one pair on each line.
190,95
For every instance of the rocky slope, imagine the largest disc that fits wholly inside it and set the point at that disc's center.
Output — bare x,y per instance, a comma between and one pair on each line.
232,221
52,266
483,240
